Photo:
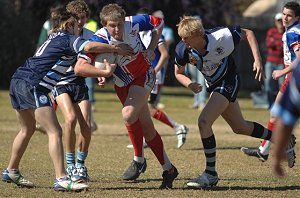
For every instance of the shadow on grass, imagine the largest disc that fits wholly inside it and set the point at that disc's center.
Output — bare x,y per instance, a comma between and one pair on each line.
218,148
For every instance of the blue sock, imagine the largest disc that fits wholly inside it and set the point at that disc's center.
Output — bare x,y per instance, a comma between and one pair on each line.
81,156
70,159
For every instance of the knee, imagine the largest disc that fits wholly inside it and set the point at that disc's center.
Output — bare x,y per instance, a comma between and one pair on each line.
129,115
70,120
202,123
241,129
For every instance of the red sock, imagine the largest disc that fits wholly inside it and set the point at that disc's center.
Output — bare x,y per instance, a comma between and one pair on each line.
54,104
135,132
161,116
157,148
270,127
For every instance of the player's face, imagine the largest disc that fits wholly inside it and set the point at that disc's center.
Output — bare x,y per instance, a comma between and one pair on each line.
115,29
191,41
288,17
82,19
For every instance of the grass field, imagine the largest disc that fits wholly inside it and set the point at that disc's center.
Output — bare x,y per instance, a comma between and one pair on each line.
240,176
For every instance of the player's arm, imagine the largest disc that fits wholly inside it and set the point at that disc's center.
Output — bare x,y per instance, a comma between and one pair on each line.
149,52
84,68
279,73
282,134
186,81
164,56
99,48
248,35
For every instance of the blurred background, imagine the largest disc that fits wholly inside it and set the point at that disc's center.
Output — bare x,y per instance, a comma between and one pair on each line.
22,20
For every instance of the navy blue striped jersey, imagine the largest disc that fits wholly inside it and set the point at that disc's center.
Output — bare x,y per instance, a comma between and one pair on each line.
70,77
217,60
51,61
288,108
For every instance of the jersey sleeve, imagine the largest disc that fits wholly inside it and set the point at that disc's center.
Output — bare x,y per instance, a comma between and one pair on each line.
293,40
89,57
236,32
161,40
101,36
146,22
181,54
77,43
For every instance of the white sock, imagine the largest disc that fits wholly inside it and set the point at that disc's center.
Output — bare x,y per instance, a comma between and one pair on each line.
265,150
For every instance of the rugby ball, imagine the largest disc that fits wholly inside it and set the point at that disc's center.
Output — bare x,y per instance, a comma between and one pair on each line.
99,59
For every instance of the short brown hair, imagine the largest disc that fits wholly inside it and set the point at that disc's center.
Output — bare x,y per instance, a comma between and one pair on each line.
78,7
190,26
111,12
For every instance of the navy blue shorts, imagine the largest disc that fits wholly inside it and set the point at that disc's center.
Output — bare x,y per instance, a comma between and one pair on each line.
76,92
26,96
228,86
154,94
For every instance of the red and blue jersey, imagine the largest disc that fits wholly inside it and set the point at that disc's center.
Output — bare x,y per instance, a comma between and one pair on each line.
218,60
51,61
291,43
288,108
130,68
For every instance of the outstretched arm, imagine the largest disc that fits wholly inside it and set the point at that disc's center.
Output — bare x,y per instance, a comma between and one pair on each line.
257,65
282,134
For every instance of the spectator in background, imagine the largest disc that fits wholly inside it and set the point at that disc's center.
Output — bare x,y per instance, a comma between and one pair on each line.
274,62
274,58
48,25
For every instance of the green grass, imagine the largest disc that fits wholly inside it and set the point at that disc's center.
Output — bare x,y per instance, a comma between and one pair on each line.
240,176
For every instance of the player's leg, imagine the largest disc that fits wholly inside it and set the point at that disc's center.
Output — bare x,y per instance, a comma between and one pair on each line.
47,118
66,106
83,112
154,141
215,106
20,143
134,127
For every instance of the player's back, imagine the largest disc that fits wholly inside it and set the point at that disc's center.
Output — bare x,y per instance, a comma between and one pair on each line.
51,60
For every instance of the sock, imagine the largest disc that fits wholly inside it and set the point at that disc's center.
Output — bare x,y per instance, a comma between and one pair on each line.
157,148
70,159
81,156
164,118
266,144
261,132
135,132
209,145
13,170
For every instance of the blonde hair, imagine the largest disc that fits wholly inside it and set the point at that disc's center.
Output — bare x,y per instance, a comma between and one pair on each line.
111,12
190,26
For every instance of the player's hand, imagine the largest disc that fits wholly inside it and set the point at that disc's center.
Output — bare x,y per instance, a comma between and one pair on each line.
195,87
110,68
124,49
277,74
101,81
149,54
259,71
